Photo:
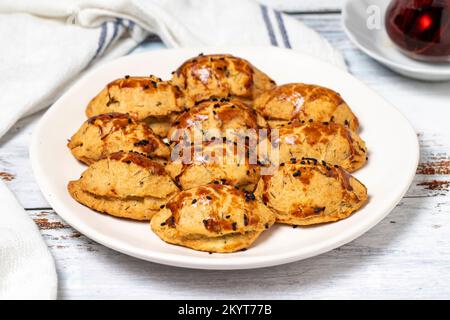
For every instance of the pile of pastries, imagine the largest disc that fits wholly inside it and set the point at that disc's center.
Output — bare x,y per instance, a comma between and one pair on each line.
130,138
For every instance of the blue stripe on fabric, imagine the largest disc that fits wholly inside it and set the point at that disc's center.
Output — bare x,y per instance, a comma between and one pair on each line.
265,14
283,31
101,40
116,25
131,25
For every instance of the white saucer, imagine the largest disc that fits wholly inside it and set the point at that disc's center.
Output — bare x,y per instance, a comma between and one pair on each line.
377,44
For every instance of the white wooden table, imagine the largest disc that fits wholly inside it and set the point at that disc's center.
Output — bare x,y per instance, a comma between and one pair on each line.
407,255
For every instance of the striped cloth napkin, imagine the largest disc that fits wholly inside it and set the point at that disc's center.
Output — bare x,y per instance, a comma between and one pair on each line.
47,44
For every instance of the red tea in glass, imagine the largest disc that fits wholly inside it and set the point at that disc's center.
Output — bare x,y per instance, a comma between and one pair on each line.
420,28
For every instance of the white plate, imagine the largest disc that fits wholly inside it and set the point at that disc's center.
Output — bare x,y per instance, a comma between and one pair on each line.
392,143
377,44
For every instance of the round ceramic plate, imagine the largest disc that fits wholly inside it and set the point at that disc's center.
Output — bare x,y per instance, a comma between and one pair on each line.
393,157
376,43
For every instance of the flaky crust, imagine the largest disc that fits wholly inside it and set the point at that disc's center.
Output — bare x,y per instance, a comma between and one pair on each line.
300,101
220,76
214,218
161,125
130,208
124,175
127,185
311,193
331,142
214,161
213,118
141,97
105,134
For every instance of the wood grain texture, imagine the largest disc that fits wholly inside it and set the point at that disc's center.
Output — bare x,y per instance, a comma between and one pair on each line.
407,255
305,5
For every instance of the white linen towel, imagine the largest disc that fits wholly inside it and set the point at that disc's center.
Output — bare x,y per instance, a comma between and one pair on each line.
46,44
27,270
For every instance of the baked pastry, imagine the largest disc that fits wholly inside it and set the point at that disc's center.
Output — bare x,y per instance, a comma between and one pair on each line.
311,192
220,76
214,161
303,102
161,125
135,208
221,181
213,118
107,133
213,218
141,97
126,185
331,142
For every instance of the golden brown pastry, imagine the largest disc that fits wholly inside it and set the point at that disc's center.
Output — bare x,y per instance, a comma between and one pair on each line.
302,102
213,118
213,218
126,185
161,125
311,192
135,208
105,134
141,97
331,142
215,161
220,76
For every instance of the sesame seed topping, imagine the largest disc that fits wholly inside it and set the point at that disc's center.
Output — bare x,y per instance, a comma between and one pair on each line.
319,209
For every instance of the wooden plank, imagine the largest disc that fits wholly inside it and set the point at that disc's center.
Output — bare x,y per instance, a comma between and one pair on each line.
305,6
15,166
406,256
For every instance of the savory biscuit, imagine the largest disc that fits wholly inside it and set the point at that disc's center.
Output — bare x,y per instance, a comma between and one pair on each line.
136,208
220,76
161,125
213,218
141,97
305,194
126,185
105,134
125,175
214,161
330,142
213,118
304,102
